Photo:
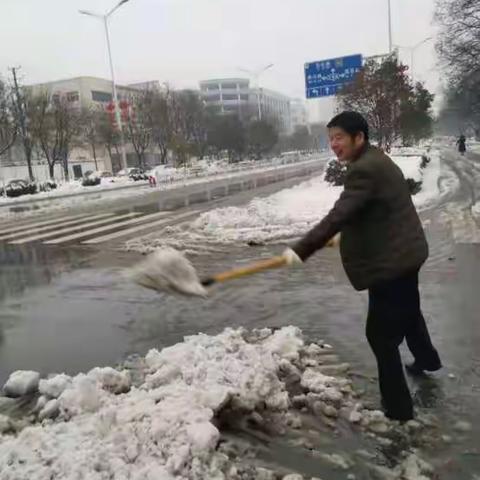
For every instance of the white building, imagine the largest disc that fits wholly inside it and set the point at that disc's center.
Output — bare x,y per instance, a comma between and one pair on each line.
298,113
235,96
85,91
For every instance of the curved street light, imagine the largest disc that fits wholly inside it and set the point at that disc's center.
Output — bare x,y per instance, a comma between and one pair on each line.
104,18
255,74
413,49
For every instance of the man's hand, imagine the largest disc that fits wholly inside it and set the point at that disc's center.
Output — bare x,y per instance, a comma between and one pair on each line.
334,241
292,258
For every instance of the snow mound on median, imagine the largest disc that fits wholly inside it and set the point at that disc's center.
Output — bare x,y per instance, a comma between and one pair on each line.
282,216
285,214
162,429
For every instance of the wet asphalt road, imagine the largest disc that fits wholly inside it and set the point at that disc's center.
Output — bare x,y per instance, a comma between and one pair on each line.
69,310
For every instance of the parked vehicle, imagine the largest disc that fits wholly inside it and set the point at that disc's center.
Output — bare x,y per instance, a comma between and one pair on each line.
17,188
91,181
133,173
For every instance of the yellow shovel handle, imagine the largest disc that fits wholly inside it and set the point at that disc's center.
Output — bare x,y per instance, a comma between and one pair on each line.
275,262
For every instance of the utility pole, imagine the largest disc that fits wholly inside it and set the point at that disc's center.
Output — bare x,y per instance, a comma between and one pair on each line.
21,115
390,42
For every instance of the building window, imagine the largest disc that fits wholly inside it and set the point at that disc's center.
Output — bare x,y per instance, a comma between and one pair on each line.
103,97
229,97
244,96
73,97
212,98
212,88
56,98
229,86
230,108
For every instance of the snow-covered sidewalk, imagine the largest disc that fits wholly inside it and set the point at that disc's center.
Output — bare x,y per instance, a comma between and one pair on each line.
170,178
58,200
166,425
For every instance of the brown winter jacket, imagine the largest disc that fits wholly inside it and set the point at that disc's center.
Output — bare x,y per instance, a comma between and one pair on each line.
382,236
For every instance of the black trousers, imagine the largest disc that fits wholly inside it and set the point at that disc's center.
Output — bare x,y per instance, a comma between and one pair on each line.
394,314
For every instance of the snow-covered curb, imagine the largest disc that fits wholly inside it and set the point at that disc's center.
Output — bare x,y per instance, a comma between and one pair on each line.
99,425
124,185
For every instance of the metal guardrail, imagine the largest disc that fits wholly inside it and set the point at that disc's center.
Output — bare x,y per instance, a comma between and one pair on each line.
169,181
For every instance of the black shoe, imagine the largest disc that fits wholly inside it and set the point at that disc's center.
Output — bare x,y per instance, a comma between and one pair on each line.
400,417
404,417
418,370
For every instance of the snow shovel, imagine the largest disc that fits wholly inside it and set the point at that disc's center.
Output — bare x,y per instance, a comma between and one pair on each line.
169,270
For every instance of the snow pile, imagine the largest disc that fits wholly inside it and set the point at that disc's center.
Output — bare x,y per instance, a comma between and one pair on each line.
279,217
161,429
285,214
21,383
168,425
430,193
410,166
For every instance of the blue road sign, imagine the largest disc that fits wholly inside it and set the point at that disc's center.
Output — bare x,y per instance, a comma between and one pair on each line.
327,77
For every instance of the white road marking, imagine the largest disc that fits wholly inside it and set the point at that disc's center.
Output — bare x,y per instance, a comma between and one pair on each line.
88,233
129,231
71,229
25,226
46,228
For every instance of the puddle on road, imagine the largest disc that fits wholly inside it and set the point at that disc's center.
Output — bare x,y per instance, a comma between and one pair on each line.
72,310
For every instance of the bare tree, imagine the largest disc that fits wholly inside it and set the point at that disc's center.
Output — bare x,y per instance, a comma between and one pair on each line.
8,125
459,47
158,119
459,40
138,130
21,109
90,126
56,126
108,134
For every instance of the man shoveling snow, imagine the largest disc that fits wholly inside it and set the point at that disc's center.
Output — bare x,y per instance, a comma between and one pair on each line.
383,247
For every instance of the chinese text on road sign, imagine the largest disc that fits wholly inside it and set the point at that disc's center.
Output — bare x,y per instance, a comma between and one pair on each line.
326,77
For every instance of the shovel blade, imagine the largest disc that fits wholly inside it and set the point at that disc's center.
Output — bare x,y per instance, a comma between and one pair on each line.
168,270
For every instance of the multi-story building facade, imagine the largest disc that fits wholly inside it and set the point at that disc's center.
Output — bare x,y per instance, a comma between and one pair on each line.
86,92
298,113
236,96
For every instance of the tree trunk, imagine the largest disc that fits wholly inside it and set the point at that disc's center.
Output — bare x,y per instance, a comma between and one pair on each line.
51,171
65,169
28,156
94,151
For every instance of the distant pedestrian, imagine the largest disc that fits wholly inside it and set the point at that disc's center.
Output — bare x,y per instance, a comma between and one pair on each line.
462,144
383,247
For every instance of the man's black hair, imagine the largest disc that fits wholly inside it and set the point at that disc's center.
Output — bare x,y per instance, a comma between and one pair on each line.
352,122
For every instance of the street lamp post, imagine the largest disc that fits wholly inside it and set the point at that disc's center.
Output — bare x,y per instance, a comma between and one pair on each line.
256,75
412,50
104,18
390,42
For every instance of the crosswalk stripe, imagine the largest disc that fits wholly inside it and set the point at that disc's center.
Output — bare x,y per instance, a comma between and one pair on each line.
106,228
42,236
25,226
46,228
129,231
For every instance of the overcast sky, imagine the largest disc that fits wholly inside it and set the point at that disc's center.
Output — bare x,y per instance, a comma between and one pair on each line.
184,41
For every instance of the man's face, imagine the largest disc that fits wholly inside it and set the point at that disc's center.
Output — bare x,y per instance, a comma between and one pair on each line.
345,147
